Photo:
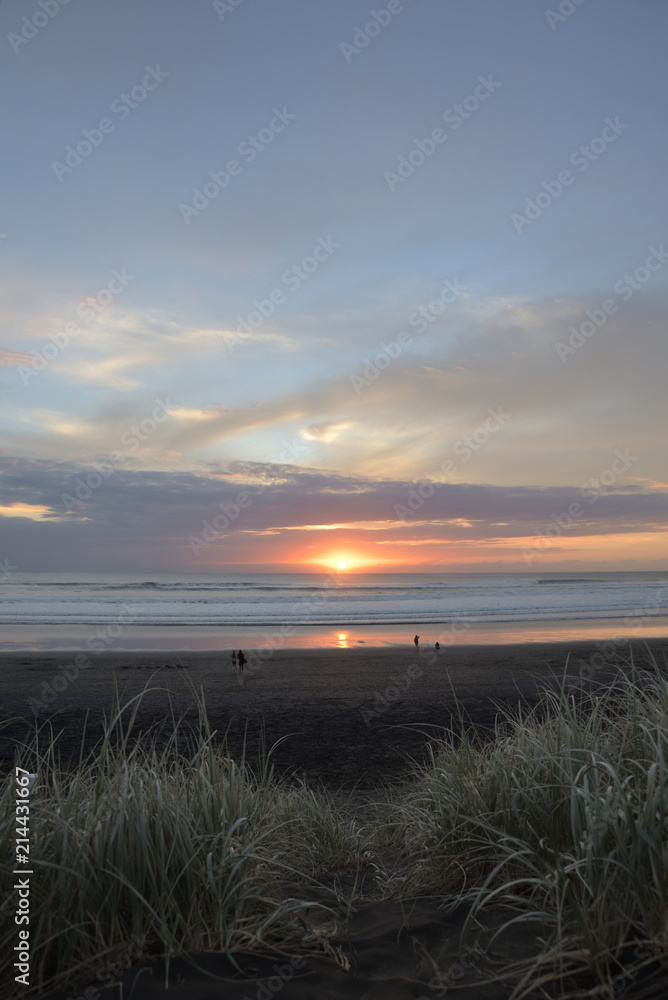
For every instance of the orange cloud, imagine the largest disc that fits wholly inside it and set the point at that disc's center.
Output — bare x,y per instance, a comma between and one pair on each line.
34,512
10,358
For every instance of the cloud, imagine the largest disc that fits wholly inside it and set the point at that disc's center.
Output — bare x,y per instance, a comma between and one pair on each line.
567,419
325,432
157,513
483,353
32,512
10,359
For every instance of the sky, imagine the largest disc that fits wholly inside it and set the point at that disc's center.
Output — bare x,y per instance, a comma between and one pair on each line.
293,285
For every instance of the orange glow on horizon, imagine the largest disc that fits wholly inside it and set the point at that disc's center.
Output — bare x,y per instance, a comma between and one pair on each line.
345,562
341,562
353,553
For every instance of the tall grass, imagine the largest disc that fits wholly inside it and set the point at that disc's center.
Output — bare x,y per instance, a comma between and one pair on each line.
559,819
162,851
563,816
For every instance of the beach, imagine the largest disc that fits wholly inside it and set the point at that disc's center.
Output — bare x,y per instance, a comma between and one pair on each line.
351,722
343,716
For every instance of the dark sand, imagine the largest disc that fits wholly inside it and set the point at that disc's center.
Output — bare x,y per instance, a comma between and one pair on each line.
317,699
321,700
396,950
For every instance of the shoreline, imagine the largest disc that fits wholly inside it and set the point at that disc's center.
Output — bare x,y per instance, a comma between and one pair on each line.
126,636
344,717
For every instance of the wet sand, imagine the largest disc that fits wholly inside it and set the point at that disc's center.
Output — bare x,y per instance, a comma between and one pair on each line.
347,716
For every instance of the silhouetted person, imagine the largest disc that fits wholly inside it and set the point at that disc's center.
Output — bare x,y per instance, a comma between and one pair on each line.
242,661
416,640
234,662
437,646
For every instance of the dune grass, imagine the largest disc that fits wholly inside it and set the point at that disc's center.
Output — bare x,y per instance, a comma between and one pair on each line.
563,817
141,850
560,819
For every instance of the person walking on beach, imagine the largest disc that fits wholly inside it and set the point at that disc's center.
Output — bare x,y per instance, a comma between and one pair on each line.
242,661
437,646
416,640
234,662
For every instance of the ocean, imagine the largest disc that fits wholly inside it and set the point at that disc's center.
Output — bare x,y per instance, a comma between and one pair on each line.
55,610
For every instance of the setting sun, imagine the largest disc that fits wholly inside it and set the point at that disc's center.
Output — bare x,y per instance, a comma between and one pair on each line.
347,561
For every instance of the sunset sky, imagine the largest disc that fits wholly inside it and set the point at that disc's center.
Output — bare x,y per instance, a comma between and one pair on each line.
293,284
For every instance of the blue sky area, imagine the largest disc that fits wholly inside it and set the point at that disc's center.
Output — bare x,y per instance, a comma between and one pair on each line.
421,204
